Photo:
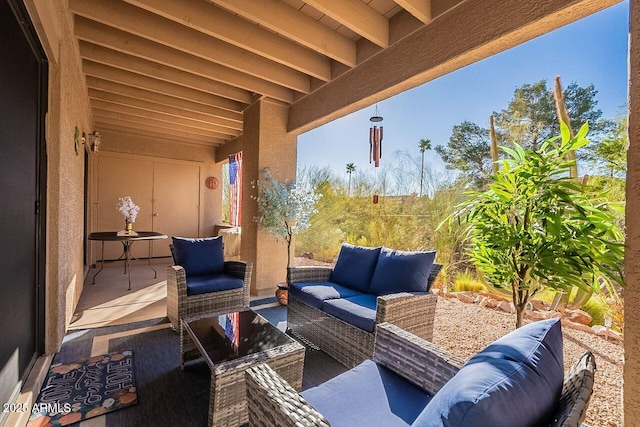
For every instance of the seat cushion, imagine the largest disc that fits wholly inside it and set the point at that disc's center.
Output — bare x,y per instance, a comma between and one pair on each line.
515,381
314,294
199,256
354,266
208,283
401,271
359,311
368,395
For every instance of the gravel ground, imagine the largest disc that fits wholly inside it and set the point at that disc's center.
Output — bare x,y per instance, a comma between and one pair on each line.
465,329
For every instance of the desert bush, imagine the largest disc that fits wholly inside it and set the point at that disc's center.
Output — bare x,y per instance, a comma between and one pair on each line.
467,282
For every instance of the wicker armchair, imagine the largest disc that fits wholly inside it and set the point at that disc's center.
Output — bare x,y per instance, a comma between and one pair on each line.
272,402
180,305
414,312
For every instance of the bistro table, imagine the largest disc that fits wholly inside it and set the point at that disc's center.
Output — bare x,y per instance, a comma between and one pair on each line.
127,242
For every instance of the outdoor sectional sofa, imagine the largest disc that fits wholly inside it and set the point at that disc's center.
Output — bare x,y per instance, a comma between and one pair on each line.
338,309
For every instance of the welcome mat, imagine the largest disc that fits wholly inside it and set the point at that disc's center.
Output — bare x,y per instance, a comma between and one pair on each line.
77,391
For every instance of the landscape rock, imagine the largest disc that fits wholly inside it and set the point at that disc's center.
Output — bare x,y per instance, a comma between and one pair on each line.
505,306
534,315
601,331
578,326
539,305
492,303
465,297
493,296
551,314
578,316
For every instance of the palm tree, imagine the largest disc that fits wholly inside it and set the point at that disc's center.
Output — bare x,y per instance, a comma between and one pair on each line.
350,169
423,145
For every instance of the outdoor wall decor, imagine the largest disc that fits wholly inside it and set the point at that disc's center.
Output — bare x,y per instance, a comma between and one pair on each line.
211,183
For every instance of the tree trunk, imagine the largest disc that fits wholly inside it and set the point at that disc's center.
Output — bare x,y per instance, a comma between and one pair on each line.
519,313
421,173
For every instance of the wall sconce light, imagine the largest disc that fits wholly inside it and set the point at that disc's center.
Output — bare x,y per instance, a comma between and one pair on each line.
94,140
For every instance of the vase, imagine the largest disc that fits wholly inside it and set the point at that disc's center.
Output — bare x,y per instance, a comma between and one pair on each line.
282,293
128,226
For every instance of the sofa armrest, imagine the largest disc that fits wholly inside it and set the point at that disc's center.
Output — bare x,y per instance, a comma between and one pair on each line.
241,270
307,274
176,294
414,312
177,278
272,402
414,358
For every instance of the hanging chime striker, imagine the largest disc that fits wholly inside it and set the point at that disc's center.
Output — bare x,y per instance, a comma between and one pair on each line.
375,143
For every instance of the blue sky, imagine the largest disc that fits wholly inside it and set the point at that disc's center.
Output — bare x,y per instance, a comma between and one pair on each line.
590,51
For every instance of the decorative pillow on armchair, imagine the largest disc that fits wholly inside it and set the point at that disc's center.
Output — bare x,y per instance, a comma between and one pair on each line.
400,271
354,266
515,381
199,256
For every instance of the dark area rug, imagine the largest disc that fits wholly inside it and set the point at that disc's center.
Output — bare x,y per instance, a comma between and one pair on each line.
167,395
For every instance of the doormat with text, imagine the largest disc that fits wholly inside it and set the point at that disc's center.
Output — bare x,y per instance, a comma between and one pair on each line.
77,391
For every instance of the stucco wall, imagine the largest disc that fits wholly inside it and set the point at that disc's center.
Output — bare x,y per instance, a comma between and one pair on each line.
632,256
68,108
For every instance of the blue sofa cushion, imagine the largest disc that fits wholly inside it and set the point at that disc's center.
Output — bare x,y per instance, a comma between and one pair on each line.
515,381
208,283
359,311
370,395
199,256
354,266
314,294
401,271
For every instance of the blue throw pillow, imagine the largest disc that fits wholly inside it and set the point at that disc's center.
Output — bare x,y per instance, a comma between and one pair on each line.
516,381
354,267
199,256
400,271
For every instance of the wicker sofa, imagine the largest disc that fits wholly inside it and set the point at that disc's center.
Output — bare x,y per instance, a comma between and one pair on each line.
223,287
516,381
327,305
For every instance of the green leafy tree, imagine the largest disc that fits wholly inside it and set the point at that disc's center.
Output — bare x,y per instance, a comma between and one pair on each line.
423,145
610,154
351,168
535,226
284,208
468,152
531,117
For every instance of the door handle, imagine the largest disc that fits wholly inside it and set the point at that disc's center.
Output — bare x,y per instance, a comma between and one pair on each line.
156,214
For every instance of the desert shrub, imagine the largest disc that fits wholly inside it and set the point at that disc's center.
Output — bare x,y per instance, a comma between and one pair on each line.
466,282
597,307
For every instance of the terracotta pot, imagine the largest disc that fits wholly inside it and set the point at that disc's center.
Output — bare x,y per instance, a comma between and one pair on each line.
282,294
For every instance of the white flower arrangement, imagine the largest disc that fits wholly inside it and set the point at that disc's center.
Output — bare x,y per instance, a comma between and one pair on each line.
128,209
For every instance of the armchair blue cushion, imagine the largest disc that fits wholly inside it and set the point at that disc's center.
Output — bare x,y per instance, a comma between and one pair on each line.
401,271
370,395
359,311
314,294
207,283
515,381
199,256
354,266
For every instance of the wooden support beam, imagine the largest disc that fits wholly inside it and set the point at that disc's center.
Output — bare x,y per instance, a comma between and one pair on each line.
166,118
107,128
158,124
134,92
358,17
143,82
216,22
112,58
154,107
153,27
295,25
470,32
121,41
421,9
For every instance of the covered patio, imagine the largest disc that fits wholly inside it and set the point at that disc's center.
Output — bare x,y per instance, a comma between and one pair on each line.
174,88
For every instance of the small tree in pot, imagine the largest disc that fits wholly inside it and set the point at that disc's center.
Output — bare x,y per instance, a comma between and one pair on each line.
284,208
535,226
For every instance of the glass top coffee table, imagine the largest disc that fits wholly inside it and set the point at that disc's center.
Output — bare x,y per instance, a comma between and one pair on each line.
231,343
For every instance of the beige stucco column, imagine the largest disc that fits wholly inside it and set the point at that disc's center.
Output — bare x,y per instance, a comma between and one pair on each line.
265,144
632,257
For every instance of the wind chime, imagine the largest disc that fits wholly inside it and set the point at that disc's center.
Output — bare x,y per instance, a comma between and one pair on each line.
375,143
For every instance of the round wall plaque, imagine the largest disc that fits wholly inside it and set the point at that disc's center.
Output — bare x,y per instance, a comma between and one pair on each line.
211,183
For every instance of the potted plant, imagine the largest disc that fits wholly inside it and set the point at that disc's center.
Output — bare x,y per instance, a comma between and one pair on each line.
536,226
284,210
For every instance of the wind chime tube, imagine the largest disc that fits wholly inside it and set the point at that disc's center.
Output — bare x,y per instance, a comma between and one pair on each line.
380,143
370,145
